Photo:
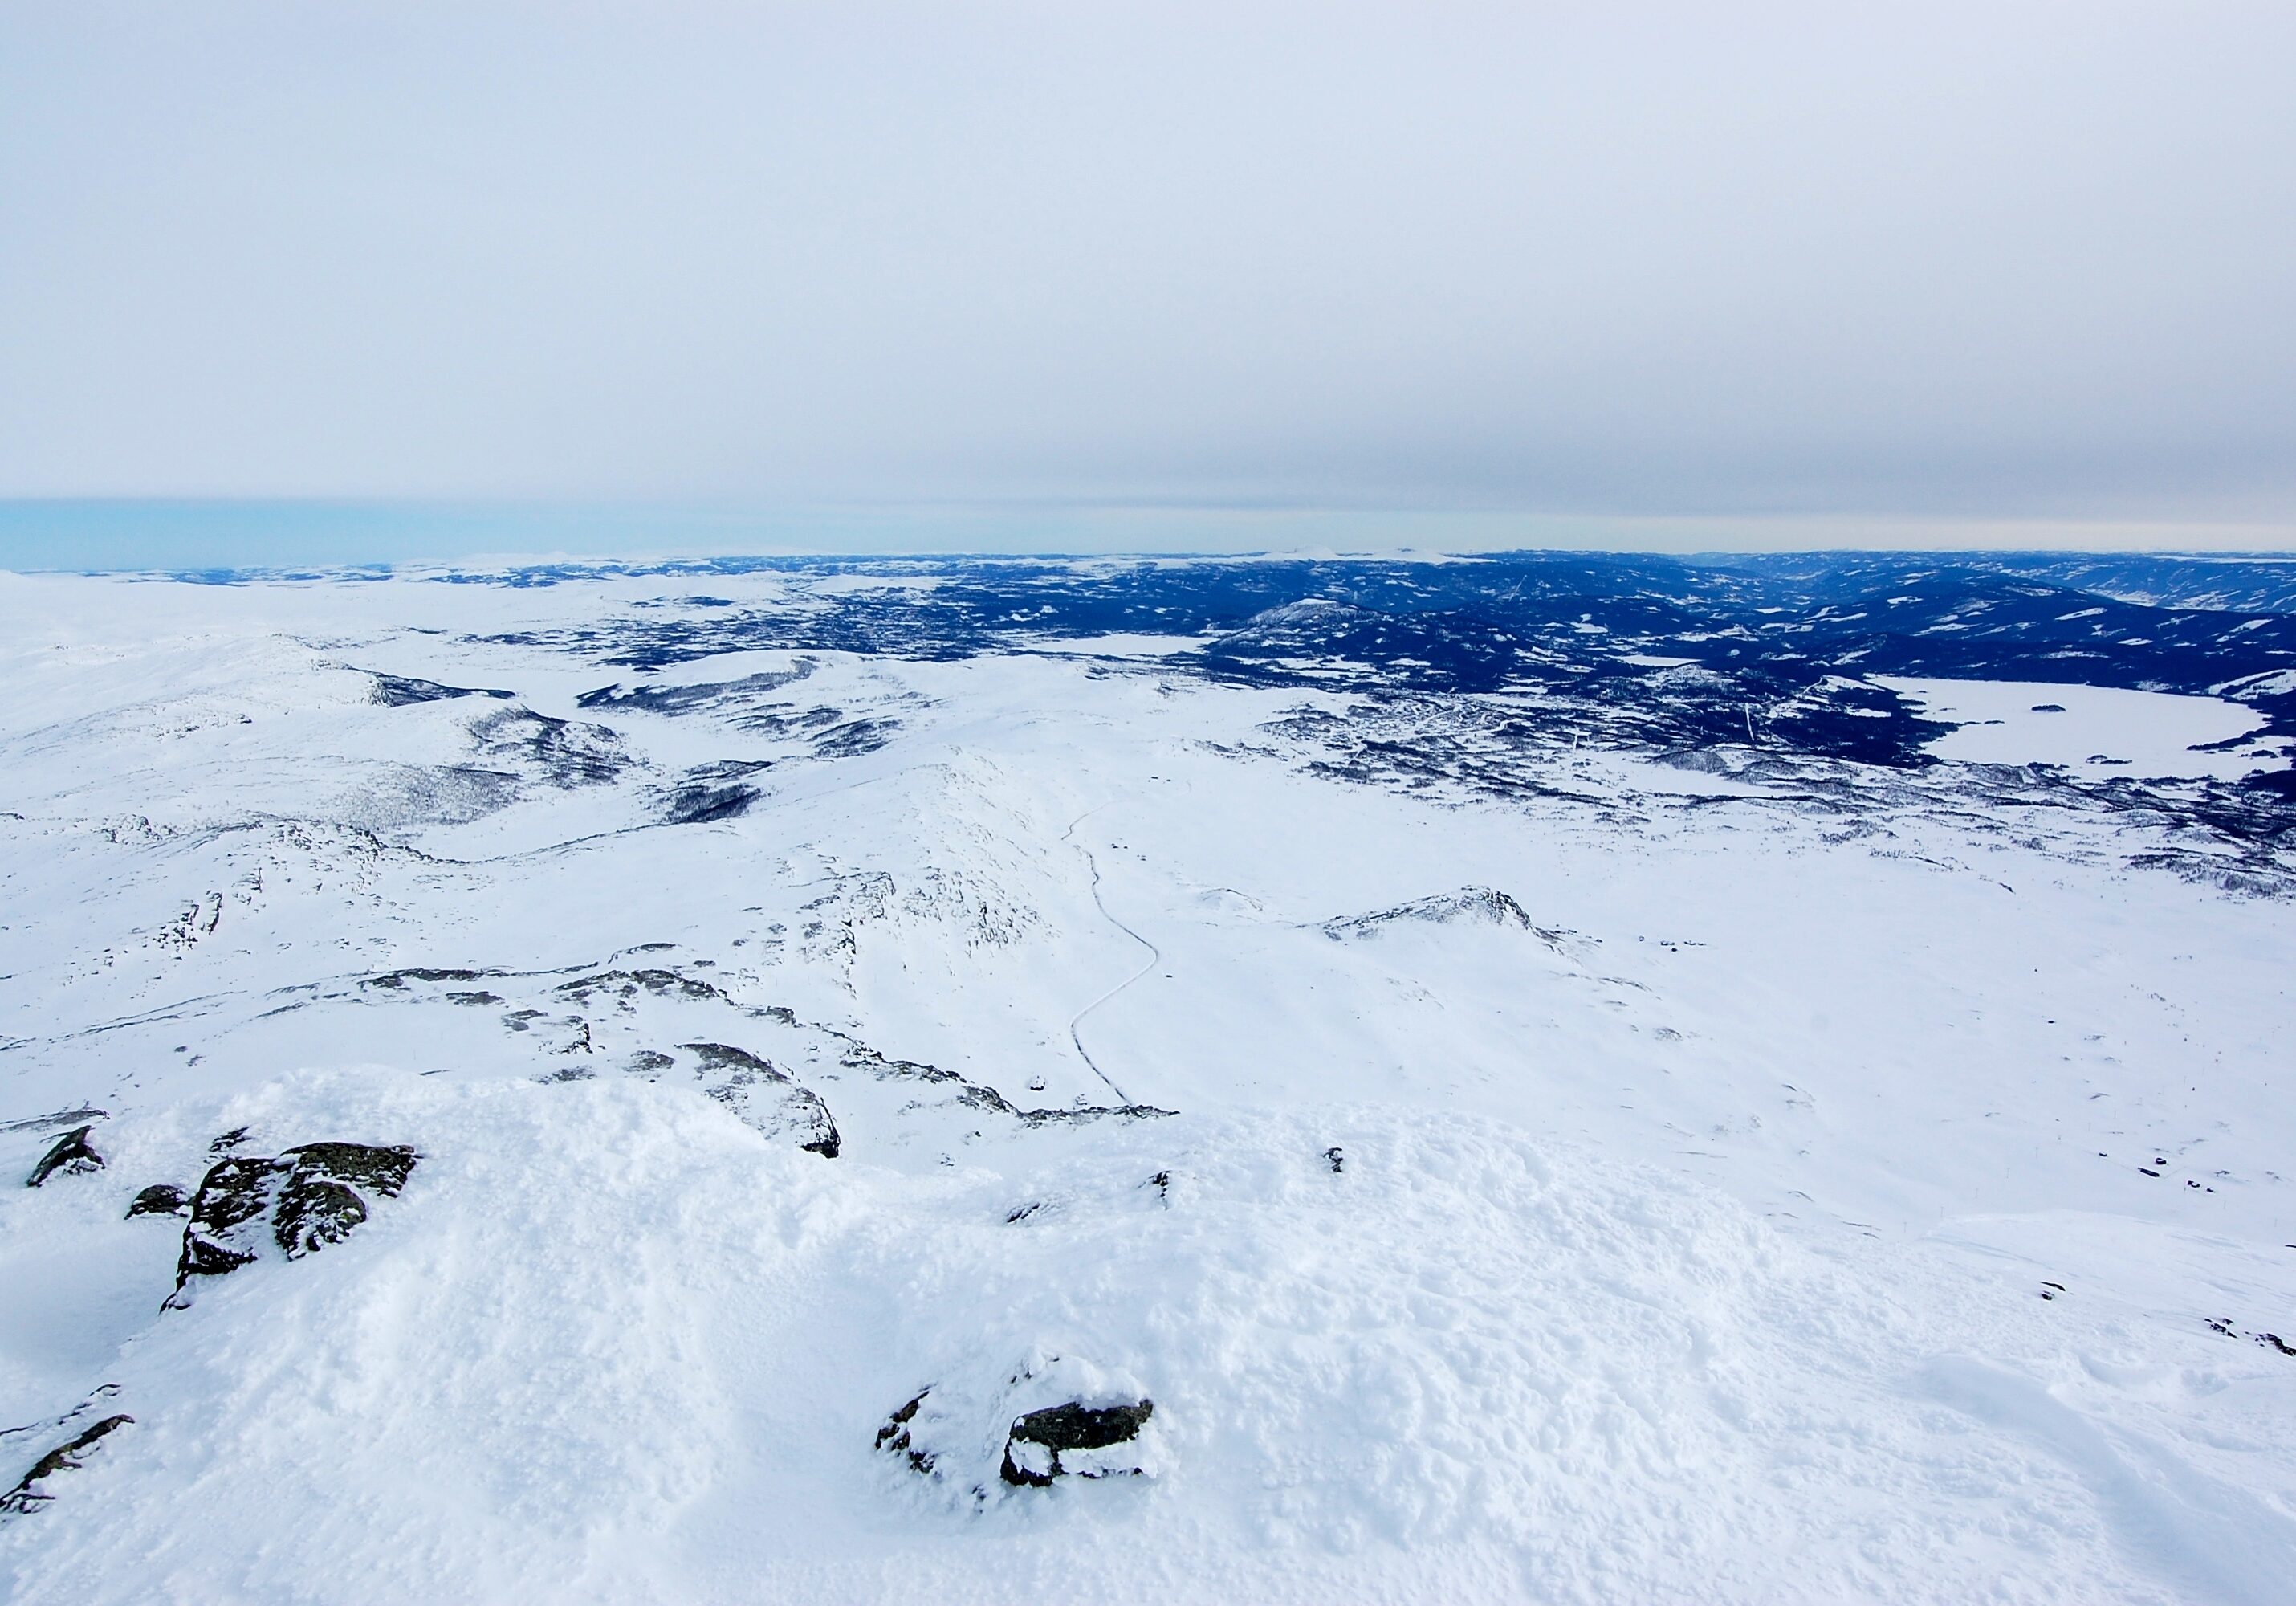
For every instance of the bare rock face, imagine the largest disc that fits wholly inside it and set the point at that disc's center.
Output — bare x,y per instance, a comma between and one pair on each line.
1074,1441
70,1155
307,1197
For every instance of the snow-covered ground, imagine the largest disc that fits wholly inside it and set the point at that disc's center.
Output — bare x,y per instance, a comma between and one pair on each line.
1647,1187
2094,730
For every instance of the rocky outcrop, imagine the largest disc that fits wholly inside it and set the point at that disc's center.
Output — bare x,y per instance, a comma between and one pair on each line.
235,1193
1470,905
307,1198
396,980
766,1097
403,691
69,1155
320,1204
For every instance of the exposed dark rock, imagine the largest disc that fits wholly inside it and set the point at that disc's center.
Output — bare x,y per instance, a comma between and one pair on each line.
381,1169
310,1197
401,691
893,1437
313,1212
235,1193
624,984
27,1495
1476,905
1086,1113
228,1142
1064,1441
397,980
1336,1159
69,1155
161,1198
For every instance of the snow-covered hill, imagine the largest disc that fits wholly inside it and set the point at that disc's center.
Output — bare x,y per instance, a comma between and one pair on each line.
1542,1079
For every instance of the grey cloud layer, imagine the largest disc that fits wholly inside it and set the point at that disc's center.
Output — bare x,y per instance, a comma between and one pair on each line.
2002,260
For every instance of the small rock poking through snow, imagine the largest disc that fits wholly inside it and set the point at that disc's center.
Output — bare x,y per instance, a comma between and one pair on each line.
161,1198
70,1157
1074,1440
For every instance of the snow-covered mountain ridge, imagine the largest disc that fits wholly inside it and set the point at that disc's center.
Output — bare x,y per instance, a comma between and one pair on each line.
1537,1078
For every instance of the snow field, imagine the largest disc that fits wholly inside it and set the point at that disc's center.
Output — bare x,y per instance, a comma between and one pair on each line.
608,1330
1692,1238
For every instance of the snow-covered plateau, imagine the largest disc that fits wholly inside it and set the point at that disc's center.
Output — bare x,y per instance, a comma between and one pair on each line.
1549,1079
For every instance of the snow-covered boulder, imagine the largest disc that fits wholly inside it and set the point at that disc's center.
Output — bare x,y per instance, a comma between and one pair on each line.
976,1432
1074,1441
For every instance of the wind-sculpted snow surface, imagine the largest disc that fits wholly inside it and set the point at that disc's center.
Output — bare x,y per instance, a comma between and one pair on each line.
1531,1079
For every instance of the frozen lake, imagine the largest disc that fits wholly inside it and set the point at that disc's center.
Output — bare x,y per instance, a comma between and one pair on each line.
2095,730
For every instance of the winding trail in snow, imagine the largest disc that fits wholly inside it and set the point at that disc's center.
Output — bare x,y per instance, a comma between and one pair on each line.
1155,955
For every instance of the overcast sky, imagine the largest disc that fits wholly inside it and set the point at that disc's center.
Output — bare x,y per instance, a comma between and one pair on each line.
2002,260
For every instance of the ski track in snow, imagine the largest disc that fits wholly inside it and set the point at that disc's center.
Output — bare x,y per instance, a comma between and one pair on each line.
1155,958
1576,1172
